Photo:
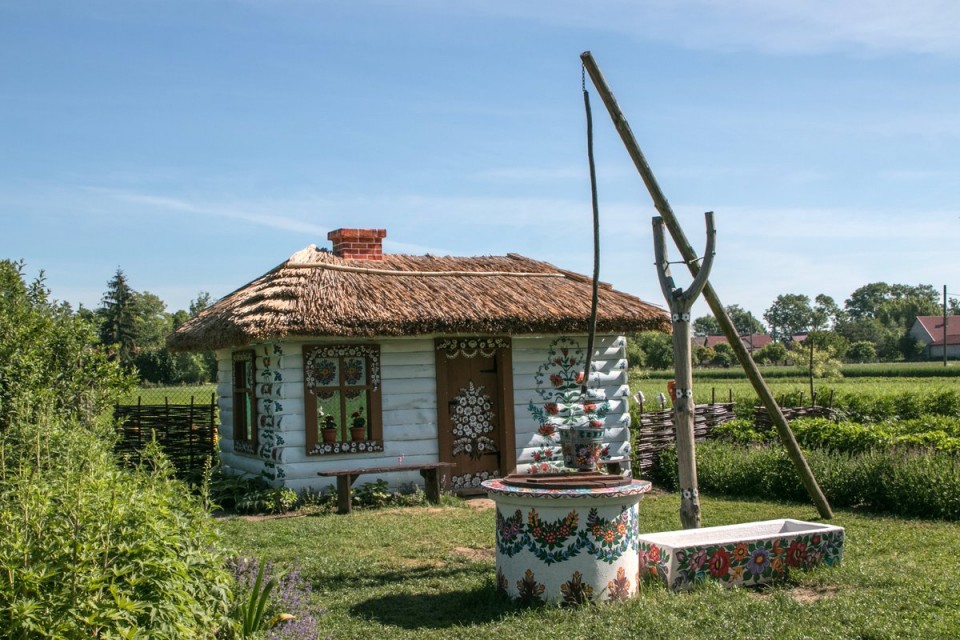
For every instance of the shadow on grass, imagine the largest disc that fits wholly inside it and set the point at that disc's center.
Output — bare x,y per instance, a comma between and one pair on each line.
465,608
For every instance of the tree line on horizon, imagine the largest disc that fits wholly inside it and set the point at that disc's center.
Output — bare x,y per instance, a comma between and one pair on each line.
872,325
134,326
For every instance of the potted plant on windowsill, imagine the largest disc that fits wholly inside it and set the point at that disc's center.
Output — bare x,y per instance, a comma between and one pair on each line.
358,425
329,429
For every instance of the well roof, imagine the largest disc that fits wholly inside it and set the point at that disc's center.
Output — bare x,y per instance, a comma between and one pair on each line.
316,294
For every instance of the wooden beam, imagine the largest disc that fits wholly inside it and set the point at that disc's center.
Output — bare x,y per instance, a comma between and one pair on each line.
686,251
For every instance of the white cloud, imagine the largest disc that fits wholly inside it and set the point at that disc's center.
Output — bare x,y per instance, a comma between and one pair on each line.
780,26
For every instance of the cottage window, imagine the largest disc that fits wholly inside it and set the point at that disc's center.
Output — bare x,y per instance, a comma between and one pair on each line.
342,399
244,403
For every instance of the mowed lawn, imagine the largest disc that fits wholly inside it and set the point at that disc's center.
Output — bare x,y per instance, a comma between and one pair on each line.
429,573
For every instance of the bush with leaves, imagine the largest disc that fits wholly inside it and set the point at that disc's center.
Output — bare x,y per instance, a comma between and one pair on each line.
87,548
924,484
48,358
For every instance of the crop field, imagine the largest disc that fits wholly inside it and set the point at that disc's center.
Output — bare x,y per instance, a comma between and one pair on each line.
708,387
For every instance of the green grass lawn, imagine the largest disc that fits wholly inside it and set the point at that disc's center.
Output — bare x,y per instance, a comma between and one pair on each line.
429,573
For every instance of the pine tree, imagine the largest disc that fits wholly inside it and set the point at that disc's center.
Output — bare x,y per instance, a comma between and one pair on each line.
118,318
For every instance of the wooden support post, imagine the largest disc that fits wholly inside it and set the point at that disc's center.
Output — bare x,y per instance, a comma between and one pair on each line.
680,302
686,250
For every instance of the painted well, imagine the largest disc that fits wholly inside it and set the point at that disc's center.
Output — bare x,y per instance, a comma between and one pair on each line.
567,546
751,553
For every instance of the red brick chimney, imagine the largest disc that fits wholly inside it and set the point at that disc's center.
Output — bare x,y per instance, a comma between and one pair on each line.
358,244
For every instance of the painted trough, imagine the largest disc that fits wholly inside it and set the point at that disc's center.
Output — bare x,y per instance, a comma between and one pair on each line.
751,553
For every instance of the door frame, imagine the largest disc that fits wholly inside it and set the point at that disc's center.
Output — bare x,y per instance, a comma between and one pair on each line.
502,350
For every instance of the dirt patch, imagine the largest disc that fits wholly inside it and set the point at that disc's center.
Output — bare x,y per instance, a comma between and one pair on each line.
809,595
802,595
480,503
475,555
261,517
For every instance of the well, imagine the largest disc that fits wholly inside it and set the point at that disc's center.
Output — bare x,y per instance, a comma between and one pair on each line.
567,538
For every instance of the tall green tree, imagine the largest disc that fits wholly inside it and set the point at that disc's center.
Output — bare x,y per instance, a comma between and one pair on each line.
118,318
744,321
788,316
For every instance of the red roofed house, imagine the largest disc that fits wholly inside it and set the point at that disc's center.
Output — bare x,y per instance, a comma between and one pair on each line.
752,342
929,331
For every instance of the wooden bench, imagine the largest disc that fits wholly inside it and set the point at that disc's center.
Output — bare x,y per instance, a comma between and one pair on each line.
346,478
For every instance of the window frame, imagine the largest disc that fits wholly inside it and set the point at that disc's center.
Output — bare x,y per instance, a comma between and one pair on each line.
313,442
243,393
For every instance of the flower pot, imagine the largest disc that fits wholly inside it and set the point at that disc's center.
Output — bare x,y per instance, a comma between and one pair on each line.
358,433
329,435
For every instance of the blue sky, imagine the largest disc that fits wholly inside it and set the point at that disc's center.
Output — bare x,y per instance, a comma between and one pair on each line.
197,144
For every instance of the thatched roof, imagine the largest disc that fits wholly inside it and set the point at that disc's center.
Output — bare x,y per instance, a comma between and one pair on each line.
316,293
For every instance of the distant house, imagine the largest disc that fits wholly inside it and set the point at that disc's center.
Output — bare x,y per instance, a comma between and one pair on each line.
463,360
752,342
929,331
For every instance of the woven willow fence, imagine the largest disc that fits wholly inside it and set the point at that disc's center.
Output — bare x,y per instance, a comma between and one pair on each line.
655,431
185,432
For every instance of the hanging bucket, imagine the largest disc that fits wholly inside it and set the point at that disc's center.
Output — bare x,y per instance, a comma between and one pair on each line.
586,443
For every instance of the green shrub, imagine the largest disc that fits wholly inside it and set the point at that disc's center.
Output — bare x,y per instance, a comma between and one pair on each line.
906,483
90,549
87,548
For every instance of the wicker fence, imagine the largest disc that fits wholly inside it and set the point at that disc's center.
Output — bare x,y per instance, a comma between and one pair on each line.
656,430
185,432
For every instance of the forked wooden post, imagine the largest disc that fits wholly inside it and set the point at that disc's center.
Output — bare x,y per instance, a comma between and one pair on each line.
688,254
684,406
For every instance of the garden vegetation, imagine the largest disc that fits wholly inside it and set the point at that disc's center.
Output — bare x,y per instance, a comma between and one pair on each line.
89,548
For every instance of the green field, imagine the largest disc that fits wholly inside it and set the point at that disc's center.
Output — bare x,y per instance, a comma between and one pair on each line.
174,395
720,385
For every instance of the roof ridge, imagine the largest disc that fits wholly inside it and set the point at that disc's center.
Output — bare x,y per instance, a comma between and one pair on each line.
431,274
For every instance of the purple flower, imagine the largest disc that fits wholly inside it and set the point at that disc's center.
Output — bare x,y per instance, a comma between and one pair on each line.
698,559
759,560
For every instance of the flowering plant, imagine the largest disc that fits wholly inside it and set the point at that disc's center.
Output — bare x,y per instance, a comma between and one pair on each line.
357,419
329,422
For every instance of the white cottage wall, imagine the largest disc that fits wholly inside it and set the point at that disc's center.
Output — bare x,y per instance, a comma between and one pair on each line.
535,450
409,409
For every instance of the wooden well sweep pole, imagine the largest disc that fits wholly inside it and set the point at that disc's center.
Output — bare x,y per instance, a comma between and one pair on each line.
684,405
690,257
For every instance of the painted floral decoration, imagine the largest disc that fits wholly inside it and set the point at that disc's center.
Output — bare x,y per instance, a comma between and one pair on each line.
472,420
618,589
747,562
531,591
575,591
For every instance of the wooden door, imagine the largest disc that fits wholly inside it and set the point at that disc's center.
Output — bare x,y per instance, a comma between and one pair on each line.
475,410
